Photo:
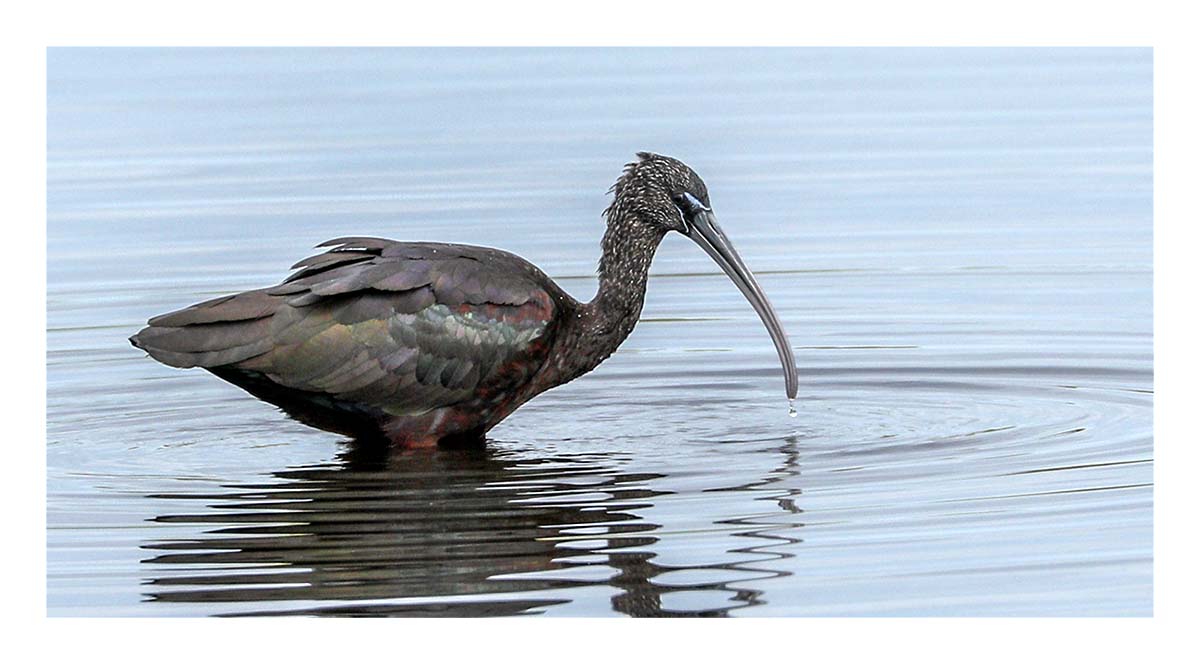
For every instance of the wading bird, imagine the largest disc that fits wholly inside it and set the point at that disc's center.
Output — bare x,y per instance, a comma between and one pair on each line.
421,342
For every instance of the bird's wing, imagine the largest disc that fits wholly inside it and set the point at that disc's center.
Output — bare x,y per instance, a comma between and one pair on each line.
405,327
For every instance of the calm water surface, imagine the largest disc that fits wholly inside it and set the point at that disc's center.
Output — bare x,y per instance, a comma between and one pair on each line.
958,241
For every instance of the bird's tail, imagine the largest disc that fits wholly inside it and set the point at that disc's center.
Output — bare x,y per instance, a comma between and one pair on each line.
211,334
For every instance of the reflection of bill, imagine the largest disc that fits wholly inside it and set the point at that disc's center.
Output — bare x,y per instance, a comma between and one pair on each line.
469,532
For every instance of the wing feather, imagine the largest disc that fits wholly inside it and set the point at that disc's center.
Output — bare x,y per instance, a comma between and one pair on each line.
404,327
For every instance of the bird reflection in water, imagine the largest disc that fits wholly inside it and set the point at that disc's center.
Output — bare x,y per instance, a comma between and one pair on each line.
477,531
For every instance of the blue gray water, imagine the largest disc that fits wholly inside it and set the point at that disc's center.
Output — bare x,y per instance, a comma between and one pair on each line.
958,241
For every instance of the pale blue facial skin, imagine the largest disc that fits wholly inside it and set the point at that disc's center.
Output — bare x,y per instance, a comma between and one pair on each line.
695,202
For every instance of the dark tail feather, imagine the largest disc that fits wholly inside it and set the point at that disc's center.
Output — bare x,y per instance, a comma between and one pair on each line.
211,334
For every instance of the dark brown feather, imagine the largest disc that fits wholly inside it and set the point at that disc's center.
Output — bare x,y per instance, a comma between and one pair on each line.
392,328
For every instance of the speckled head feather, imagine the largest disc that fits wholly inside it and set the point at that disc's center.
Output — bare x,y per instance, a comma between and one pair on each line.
642,212
648,188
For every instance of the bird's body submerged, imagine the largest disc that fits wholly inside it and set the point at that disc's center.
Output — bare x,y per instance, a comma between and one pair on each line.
426,342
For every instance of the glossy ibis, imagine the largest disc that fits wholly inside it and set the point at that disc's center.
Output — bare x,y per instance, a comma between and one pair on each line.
423,342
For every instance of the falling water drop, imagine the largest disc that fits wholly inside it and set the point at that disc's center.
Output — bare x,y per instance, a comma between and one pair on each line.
791,408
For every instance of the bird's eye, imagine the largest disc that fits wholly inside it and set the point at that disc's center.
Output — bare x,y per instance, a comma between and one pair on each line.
688,204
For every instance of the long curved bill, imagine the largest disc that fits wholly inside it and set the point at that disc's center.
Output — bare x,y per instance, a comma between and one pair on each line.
705,232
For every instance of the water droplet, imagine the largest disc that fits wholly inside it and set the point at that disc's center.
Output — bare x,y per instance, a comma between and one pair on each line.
791,408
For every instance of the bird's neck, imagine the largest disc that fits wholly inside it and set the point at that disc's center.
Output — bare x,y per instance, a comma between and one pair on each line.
626,253
603,323
629,243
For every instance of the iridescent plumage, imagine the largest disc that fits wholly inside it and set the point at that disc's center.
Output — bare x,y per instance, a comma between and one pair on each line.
426,342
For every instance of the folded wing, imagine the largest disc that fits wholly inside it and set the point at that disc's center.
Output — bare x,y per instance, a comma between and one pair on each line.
402,327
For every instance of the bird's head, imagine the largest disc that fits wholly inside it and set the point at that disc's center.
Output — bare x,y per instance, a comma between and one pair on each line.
664,194
660,192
